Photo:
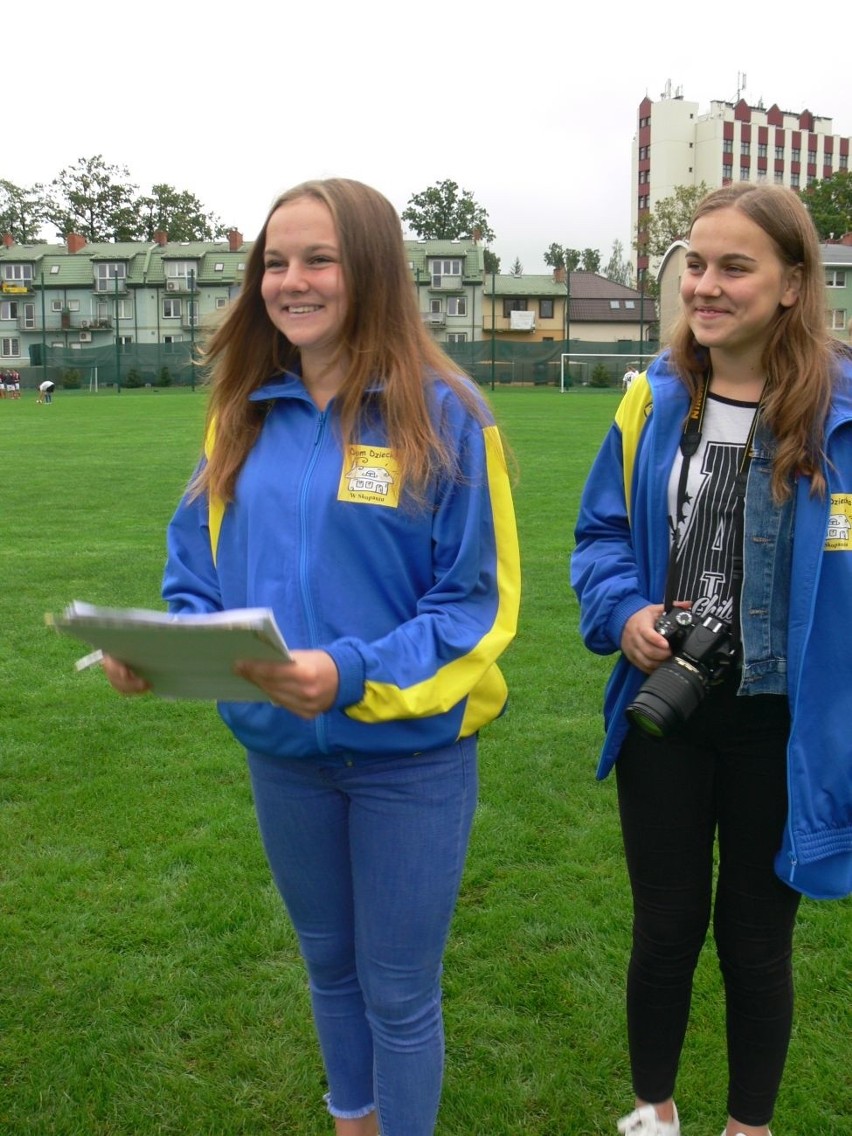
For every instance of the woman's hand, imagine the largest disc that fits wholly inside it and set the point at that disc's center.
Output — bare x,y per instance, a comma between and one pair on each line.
122,678
642,645
307,686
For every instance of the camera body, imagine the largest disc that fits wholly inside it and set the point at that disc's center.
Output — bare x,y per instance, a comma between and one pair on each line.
702,651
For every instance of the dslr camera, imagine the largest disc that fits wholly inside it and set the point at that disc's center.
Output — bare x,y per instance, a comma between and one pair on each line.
702,650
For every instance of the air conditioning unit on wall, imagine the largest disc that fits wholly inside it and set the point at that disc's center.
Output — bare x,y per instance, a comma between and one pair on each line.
85,323
173,285
85,337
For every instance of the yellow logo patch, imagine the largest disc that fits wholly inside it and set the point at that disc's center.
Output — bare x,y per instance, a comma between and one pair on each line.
838,537
370,476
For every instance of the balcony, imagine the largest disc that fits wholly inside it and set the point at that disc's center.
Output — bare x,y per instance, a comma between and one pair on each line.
435,319
16,287
446,284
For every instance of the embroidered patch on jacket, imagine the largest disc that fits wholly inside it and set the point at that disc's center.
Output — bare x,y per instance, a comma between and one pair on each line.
370,475
838,537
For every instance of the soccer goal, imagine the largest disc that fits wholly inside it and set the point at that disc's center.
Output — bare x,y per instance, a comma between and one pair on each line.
601,369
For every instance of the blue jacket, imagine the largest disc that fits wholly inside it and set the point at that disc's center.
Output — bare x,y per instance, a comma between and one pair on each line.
796,606
414,604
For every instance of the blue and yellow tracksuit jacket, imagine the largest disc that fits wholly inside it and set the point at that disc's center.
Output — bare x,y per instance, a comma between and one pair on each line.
414,603
797,579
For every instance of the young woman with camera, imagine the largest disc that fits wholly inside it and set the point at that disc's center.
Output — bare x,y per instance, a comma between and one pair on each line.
724,489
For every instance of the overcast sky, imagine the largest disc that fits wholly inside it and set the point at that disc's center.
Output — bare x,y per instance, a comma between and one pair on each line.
530,106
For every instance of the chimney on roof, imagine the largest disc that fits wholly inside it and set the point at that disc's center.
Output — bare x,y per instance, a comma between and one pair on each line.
559,276
161,237
75,242
235,240
8,240
477,234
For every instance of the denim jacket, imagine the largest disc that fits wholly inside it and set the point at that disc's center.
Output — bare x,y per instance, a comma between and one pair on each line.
796,579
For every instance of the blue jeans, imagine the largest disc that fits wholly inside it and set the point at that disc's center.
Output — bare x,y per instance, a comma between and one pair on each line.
367,854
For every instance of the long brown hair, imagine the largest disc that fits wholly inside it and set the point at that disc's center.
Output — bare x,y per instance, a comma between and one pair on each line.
800,357
383,341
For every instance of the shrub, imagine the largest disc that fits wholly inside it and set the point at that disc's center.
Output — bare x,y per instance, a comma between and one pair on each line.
164,378
72,379
133,379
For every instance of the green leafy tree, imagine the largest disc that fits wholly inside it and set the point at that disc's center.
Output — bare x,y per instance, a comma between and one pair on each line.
829,203
558,256
446,213
517,267
491,261
617,268
669,220
591,260
96,200
178,213
22,211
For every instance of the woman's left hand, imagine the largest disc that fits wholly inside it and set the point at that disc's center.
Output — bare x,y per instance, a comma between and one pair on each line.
307,686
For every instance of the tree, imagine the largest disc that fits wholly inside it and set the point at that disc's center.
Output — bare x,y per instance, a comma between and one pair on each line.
591,261
95,200
558,257
22,211
517,267
829,203
669,220
180,214
617,268
446,213
491,261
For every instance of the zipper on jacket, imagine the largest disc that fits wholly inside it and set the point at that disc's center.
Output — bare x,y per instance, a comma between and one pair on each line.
304,578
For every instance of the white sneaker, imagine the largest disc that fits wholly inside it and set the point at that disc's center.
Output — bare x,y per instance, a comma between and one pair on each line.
645,1122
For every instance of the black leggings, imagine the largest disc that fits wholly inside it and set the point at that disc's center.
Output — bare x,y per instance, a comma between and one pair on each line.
725,771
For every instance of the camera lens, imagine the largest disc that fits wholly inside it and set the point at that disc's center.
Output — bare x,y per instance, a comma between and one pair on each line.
667,698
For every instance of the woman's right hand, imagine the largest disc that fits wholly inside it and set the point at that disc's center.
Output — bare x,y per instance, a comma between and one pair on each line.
122,678
641,643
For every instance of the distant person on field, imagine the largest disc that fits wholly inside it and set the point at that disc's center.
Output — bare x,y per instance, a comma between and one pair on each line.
47,388
628,377
721,497
355,483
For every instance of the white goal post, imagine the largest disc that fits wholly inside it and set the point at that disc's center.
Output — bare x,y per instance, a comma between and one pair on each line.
576,369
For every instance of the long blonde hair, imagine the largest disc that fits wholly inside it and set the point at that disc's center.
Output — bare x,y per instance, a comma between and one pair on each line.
800,357
383,343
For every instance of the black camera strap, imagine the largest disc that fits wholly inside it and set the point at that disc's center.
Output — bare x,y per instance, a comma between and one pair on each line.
689,443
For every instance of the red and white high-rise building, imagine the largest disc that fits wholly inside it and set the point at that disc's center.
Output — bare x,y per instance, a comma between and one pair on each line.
674,145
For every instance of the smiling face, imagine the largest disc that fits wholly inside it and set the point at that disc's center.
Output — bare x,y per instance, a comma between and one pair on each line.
303,286
734,284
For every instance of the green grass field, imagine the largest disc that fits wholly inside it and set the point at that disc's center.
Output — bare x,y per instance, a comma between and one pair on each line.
150,982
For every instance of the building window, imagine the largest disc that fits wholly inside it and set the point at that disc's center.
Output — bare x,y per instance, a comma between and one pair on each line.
794,181
510,306
744,173
727,172
221,302
779,153
180,274
171,309
126,342
457,306
457,337
9,310
835,278
796,154
728,146
435,307
837,319
762,150
779,177
545,309
844,161
29,317
106,276
444,268
745,149
630,304
10,348
18,273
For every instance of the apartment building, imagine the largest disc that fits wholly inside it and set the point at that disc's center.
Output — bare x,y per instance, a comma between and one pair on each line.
675,145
